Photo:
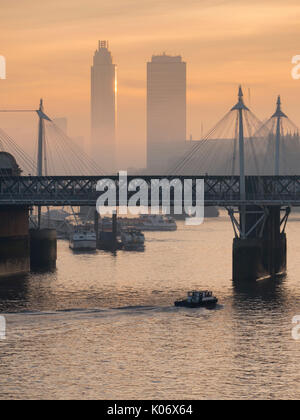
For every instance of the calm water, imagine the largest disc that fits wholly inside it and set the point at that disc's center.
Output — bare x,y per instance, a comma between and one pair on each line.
104,326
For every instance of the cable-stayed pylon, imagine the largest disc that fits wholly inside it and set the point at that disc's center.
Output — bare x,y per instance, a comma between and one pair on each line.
221,151
57,154
282,140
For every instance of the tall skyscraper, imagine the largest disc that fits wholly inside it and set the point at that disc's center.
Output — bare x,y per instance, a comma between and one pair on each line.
166,107
103,108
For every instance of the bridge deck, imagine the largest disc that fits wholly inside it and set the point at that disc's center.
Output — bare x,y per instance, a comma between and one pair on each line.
81,190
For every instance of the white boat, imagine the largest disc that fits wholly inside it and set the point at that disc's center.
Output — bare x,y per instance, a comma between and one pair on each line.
84,240
132,239
156,222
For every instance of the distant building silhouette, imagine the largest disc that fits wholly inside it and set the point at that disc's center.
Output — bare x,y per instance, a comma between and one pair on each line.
8,165
166,108
103,108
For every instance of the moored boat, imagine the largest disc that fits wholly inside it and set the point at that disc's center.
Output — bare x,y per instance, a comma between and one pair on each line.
84,240
156,222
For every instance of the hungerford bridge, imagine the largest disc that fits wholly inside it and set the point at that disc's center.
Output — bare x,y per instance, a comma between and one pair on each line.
258,205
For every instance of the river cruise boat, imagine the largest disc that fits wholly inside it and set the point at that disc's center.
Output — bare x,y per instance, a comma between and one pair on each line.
81,241
156,222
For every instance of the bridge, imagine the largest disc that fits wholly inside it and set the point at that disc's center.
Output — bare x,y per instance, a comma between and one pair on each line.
254,191
221,191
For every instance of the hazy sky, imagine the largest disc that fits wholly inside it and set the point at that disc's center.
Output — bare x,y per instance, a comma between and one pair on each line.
49,47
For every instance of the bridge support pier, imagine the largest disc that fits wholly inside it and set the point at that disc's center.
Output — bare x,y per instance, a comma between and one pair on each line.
14,241
96,226
263,252
247,259
274,243
43,249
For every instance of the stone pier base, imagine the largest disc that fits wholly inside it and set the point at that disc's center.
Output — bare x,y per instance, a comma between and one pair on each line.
254,257
43,249
14,241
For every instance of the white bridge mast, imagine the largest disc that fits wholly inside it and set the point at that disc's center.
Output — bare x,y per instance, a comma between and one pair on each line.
240,107
41,147
278,115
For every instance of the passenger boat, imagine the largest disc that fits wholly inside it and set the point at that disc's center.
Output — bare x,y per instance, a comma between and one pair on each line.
84,240
197,299
156,222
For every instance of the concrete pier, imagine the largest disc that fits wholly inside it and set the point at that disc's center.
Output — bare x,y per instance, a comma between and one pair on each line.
14,241
96,225
256,257
114,229
274,244
43,249
247,259
108,238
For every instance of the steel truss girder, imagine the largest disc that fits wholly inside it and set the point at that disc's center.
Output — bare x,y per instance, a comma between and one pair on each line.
80,190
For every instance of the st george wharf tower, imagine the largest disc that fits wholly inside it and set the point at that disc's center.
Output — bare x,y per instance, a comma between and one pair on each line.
103,108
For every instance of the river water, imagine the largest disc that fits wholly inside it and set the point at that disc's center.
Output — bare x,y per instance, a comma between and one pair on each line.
104,326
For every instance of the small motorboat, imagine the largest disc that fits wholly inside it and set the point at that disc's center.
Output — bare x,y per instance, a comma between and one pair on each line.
196,299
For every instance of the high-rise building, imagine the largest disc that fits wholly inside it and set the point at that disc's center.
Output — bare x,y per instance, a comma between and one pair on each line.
103,108
166,108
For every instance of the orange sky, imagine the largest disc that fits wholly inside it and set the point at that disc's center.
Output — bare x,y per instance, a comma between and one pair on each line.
49,46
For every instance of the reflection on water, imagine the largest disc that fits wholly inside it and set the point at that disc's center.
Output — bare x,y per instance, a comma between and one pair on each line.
104,325
13,291
266,290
